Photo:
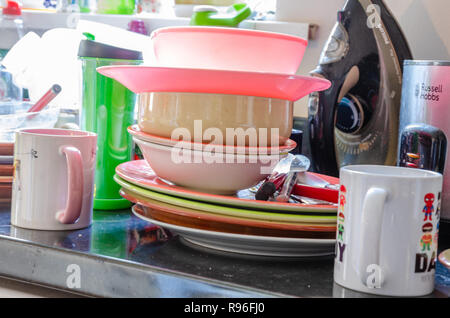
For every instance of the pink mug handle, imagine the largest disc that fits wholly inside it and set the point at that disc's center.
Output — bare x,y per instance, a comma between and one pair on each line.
75,186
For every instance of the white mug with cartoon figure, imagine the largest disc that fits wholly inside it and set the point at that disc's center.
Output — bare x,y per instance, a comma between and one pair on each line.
387,230
53,182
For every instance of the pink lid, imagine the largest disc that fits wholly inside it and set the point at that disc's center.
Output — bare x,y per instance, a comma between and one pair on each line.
228,49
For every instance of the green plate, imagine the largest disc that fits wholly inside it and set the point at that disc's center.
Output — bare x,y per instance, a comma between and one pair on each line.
285,216
139,173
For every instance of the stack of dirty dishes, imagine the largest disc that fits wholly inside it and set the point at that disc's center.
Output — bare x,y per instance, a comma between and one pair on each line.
214,118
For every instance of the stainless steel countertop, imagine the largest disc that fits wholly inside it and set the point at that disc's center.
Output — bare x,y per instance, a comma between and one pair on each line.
123,256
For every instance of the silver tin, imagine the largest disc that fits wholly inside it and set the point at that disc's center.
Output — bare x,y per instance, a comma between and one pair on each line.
423,147
426,99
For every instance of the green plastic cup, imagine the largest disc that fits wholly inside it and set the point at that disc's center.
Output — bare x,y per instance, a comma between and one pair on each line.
108,110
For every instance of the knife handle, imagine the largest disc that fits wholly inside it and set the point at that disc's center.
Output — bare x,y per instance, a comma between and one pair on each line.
265,191
269,187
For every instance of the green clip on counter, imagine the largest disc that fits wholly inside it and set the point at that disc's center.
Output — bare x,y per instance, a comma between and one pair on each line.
107,109
210,16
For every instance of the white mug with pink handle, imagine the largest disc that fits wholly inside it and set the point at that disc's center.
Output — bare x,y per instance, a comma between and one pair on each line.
53,183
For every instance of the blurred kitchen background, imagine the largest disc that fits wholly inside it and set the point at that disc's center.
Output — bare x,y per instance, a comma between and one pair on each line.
425,22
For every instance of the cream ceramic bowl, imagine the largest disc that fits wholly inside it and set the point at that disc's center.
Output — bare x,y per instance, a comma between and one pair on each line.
204,171
263,121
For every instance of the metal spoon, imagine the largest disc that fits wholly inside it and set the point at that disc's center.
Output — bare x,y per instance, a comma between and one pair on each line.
310,201
315,181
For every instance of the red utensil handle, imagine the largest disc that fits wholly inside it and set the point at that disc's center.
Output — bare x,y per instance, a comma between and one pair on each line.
317,193
47,98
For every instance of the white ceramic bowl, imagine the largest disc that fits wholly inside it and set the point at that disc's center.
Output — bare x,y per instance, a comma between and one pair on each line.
217,173
136,132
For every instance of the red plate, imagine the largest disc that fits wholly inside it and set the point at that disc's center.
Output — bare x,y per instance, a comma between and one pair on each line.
139,173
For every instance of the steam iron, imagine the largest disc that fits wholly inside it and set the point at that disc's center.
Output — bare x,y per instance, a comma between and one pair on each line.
356,120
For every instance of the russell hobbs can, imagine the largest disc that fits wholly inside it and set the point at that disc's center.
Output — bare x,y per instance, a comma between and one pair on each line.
426,100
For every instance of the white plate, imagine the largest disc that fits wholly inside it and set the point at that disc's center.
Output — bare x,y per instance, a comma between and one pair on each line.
250,244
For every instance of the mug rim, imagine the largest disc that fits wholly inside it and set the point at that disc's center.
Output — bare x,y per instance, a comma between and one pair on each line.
390,171
56,132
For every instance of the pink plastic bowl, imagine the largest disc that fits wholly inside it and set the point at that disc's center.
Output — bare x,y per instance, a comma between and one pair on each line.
228,49
146,79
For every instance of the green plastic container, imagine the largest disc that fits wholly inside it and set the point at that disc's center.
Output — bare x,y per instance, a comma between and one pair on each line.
108,110
210,16
116,6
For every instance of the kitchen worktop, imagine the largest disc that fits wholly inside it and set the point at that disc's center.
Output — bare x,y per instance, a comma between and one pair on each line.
121,255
